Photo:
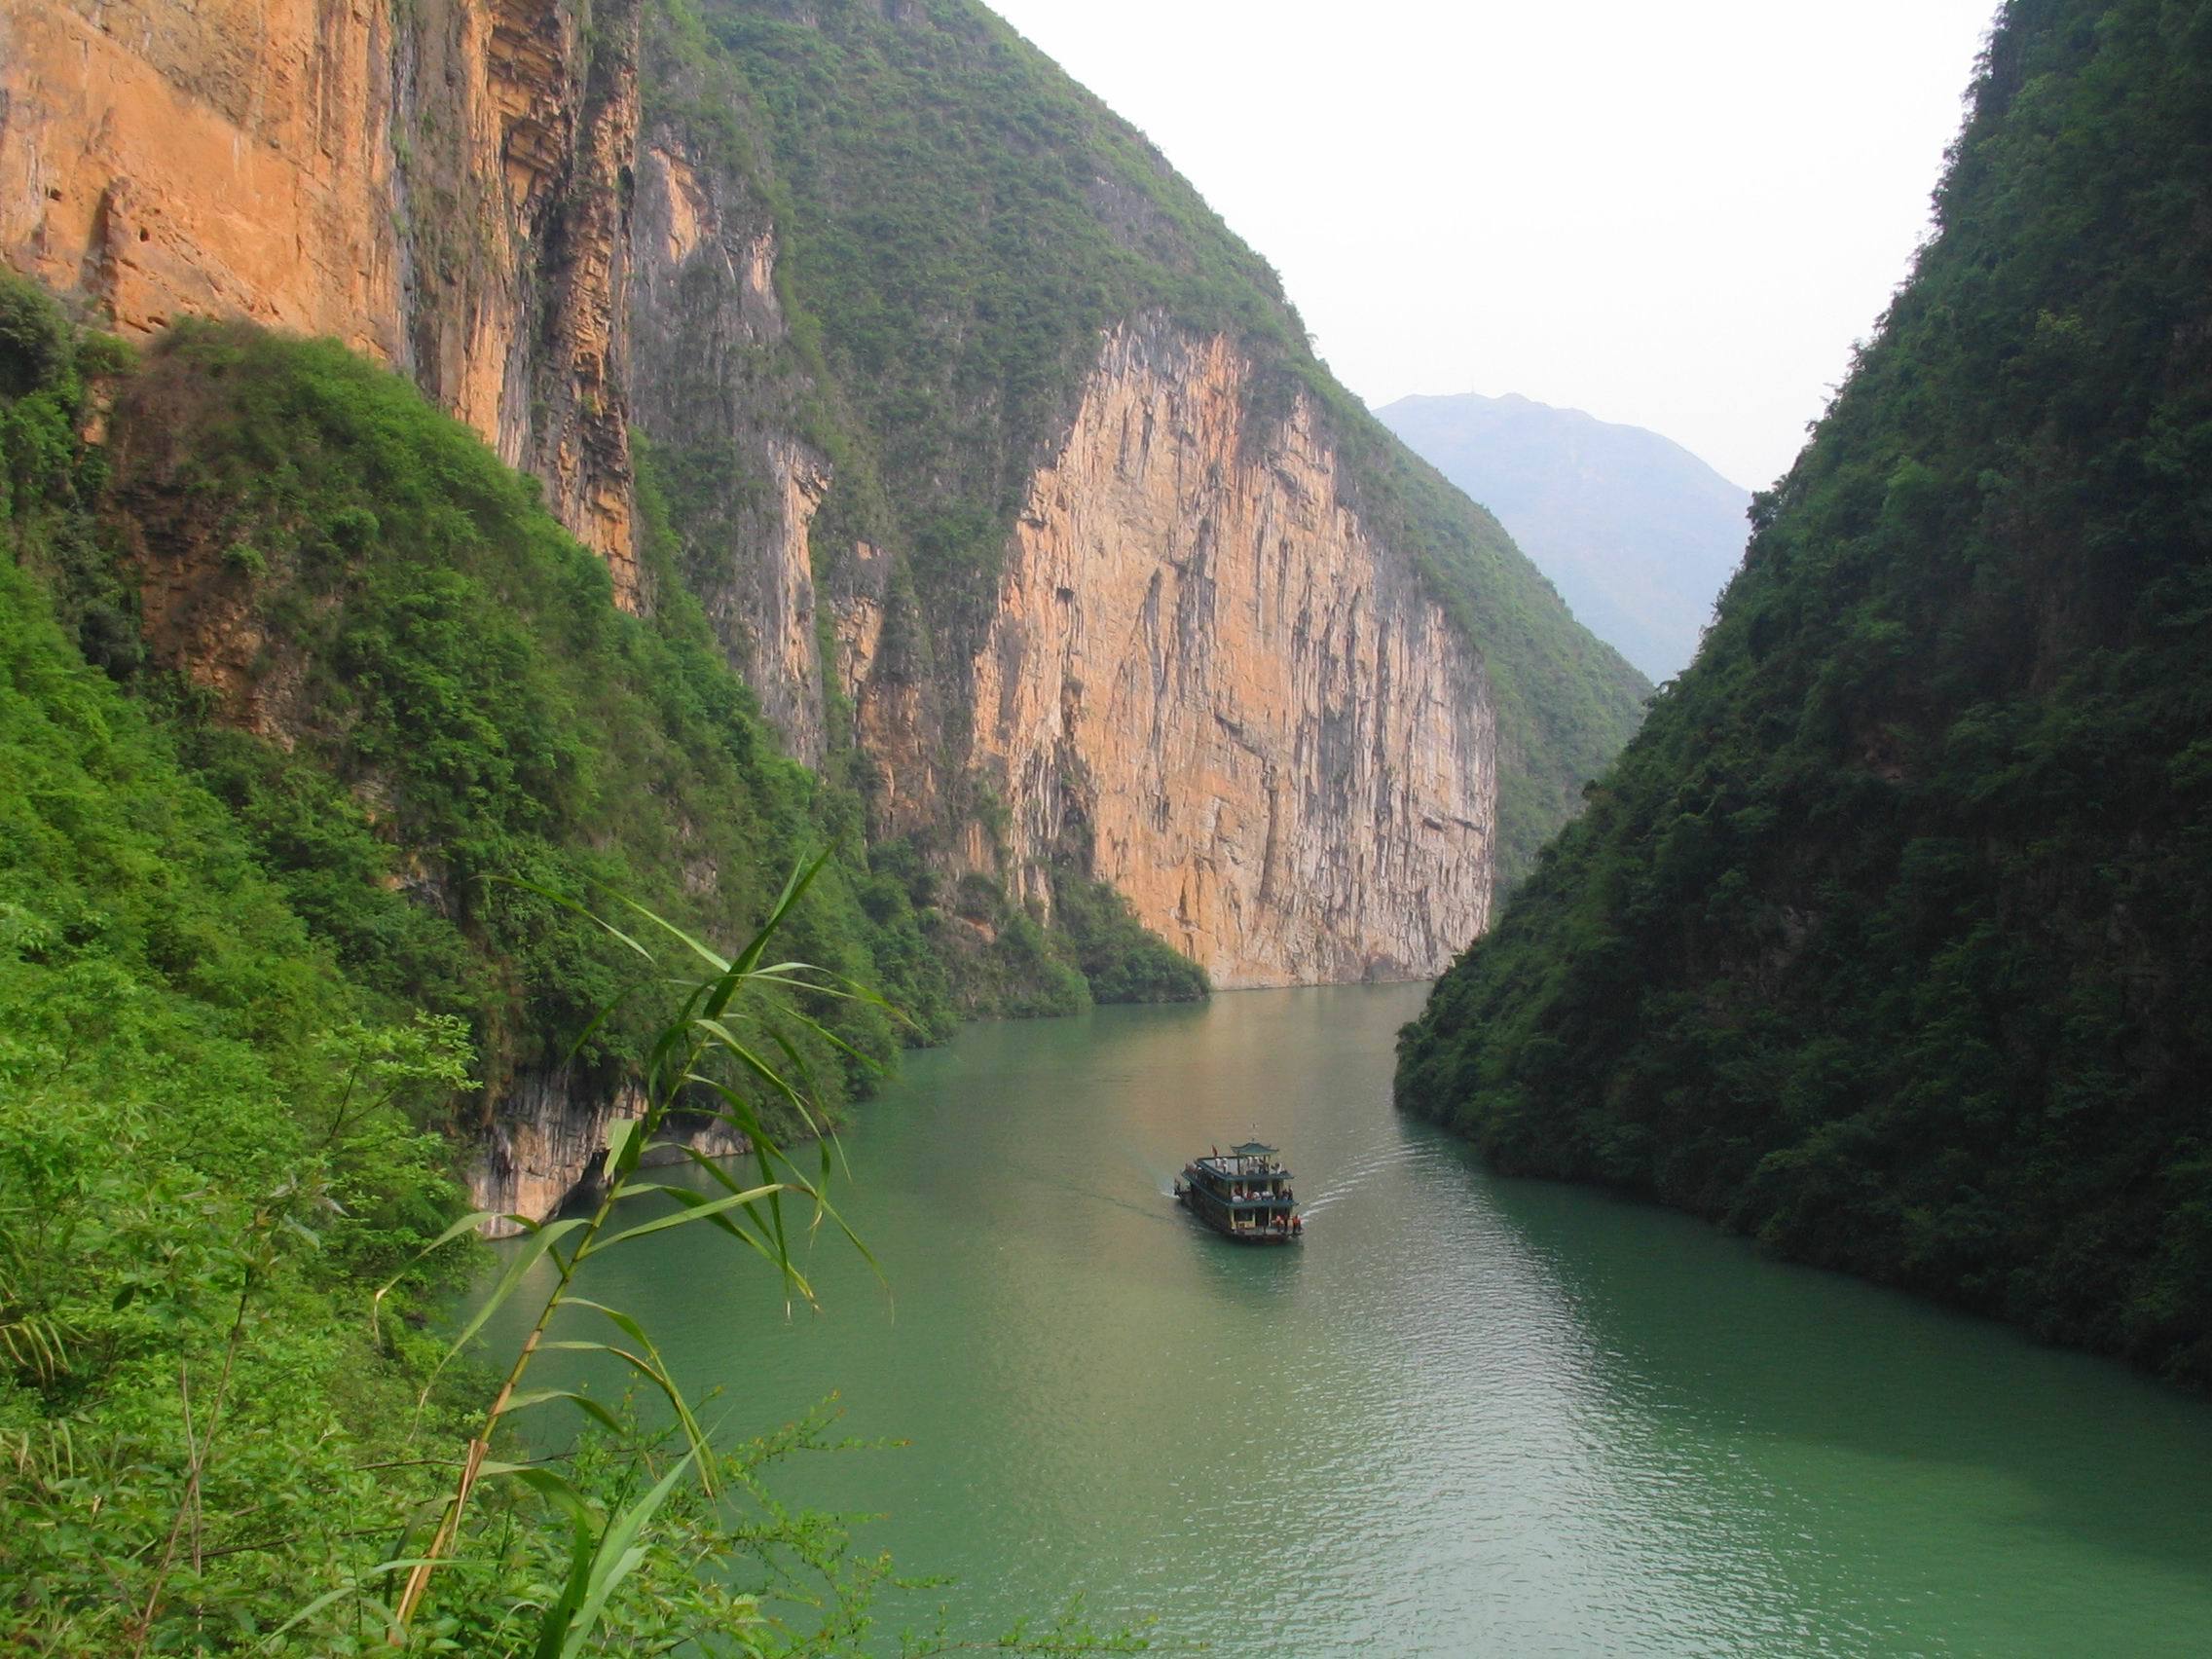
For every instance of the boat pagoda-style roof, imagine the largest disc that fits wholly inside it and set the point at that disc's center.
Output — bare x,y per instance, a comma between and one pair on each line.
1244,1162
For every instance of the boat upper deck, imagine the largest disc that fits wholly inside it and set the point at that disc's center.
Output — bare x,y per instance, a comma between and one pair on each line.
1251,1162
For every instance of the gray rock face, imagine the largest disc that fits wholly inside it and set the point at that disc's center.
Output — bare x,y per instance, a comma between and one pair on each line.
547,1141
718,392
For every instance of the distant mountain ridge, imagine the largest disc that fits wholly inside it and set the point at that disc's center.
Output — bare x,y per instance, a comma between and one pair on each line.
1637,534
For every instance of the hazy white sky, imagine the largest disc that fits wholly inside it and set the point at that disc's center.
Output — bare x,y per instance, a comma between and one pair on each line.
1676,215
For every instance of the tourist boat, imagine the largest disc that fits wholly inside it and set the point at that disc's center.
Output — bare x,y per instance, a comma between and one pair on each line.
1243,1194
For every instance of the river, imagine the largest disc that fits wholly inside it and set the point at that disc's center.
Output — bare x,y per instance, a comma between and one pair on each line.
1466,1416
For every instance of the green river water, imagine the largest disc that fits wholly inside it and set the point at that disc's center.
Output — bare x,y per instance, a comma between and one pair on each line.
1466,1416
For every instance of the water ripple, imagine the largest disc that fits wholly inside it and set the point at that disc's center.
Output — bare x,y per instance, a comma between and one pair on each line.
1465,1417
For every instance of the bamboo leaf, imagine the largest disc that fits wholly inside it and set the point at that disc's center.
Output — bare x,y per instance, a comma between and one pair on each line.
831,984
611,1563
636,1331
540,1242
590,1407
394,1630
740,1116
712,959
684,1217
560,1617
330,1597
752,1062
826,1209
655,1374
754,1242
712,1167
789,1051
748,958
468,1222
835,1041
618,1140
600,1019
552,1485
568,904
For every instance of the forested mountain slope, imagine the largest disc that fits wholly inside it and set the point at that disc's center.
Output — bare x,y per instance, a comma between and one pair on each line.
1077,539
1890,937
882,290
1639,534
934,433
408,686
319,737
368,641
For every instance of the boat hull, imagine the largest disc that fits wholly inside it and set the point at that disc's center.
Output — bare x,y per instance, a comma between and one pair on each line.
1236,1235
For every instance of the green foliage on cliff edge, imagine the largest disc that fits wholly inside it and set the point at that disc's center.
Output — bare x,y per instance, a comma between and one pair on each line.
218,1101
1890,938
959,224
176,1049
456,713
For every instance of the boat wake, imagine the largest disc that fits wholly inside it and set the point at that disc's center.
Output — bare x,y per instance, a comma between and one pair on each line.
1357,1176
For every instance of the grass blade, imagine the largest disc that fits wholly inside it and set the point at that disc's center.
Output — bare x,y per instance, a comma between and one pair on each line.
699,1210
612,1561
540,1242
590,1407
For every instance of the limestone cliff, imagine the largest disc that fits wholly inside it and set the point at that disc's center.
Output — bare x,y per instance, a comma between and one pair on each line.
716,388
1200,678
1203,668
1002,472
441,186
543,1146
1203,679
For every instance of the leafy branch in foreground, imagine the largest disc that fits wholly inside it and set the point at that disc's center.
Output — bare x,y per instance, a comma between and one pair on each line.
707,1059
696,1065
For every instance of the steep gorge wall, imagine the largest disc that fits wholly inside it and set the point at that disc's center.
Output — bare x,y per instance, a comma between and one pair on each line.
1202,680
1200,676
1206,675
715,388
1203,677
547,1138
441,186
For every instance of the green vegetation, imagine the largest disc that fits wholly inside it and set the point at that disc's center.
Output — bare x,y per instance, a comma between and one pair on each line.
174,1121
457,700
1890,938
959,224
1003,962
250,972
1120,959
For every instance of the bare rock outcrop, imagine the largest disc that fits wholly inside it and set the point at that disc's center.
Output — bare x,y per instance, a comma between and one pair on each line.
1204,668
440,185
547,1140
1201,677
718,390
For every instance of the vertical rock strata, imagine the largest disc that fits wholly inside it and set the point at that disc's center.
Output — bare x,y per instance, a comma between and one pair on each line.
716,388
1203,667
541,1149
1203,676
1203,679
440,185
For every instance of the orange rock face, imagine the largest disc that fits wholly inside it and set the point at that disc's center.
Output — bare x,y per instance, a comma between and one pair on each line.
224,159
1202,661
163,160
